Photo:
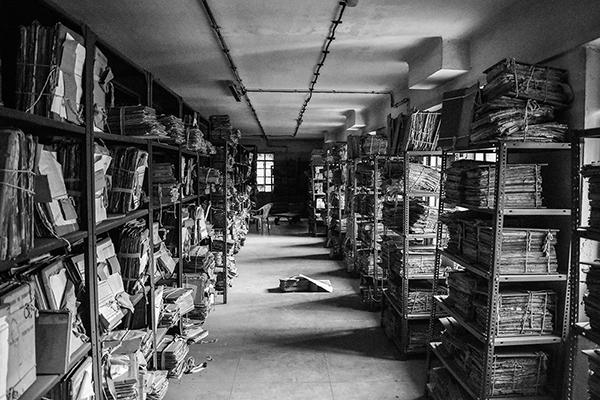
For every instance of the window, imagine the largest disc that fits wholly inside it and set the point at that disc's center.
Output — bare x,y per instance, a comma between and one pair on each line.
264,172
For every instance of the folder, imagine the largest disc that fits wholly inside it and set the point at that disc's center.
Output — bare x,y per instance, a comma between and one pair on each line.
53,342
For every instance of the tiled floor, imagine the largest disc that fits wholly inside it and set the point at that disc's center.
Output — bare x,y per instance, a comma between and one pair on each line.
272,345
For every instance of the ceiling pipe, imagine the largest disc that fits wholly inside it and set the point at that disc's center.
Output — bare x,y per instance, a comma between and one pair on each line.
323,56
234,70
393,103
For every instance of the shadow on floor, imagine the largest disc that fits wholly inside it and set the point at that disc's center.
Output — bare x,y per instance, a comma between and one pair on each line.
318,256
350,301
366,342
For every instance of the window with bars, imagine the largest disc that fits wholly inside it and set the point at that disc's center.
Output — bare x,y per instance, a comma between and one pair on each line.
264,172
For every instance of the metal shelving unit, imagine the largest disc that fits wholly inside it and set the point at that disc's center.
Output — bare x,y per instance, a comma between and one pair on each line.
579,327
490,340
406,279
317,180
85,136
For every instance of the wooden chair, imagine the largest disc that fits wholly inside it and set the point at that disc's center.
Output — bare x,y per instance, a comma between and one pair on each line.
261,216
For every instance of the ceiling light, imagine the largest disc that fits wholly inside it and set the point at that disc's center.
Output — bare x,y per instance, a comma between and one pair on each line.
235,91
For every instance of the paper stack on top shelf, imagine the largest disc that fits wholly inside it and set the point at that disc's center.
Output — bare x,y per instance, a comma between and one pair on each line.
472,183
135,121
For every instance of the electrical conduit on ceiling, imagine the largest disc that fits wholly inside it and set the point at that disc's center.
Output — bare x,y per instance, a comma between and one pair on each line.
323,56
234,70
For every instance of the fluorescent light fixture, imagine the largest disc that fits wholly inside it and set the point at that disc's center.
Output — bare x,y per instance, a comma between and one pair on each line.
235,91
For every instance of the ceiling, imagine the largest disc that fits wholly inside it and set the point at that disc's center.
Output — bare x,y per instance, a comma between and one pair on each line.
276,44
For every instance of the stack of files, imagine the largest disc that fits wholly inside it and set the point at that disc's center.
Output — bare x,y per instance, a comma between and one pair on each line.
111,298
419,300
128,341
172,355
420,177
220,126
524,250
199,259
592,297
156,384
69,155
510,119
134,254
592,173
209,178
421,258
420,131
195,141
519,312
102,160
518,80
77,385
49,75
190,169
169,316
444,386
422,218
472,183
181,297
55,211
121,366
594,377
165,185
106,258
374,145
522,372
16,192
203,286
174,128
127,173
193,330
461,292
164,262
135,121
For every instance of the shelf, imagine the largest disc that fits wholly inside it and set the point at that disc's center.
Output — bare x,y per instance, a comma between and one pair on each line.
422,193
586,233
512,146
453,369
43,246
116,220
44,383
111,137
28,121
503,277
593,354
585,330
393,301
189,199
518,340
520,211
